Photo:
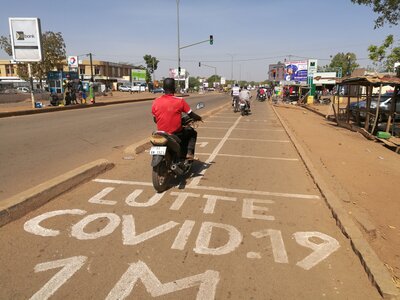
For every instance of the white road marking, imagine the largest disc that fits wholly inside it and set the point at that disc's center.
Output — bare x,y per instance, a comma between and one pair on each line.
183,235
253,255
196,180
321,250
248,156
69,267
206,281
204,238
249,209
249,129
278,246
78,232
218,189
98,198
239,139
202,144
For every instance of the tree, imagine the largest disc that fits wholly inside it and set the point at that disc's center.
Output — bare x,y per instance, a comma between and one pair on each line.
384,61
345,61
388,10
151,65
194,83
212,79
54,55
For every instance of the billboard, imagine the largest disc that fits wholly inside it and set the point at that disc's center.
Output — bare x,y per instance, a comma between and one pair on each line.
296,71
138,75
26,39
173,73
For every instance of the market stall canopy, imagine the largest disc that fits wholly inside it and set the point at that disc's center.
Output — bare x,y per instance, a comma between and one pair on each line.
368,80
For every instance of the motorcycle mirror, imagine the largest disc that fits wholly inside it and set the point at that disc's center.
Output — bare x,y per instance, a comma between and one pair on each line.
200,105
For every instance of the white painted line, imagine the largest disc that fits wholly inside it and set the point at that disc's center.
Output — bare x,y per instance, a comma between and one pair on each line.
249,192
209,188
259,140
239,139
249,156
222,117
250,129
225,122
196,180
122,182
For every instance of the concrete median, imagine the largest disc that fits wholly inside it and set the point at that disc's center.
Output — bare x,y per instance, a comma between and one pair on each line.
24,202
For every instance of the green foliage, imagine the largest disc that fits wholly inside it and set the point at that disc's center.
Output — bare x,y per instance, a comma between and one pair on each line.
386,55
346,61
54,55
212,79
388,10
151,65
194,83
5,44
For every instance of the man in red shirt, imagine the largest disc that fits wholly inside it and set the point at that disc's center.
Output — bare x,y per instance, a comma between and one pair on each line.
167,111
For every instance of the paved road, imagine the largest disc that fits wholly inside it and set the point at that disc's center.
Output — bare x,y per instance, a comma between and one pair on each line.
35,148
248,224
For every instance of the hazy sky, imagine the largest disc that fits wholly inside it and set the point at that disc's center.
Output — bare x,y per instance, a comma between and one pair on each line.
255,33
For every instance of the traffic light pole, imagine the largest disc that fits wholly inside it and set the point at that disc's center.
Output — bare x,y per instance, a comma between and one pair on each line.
205,41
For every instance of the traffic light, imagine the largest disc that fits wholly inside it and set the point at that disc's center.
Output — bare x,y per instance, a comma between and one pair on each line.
211,40
199,64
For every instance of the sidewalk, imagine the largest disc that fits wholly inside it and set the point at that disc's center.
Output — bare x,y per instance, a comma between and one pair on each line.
25,107
362,173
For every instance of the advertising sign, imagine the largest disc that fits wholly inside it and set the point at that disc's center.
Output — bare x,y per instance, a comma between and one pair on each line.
296,71
312,66
138,75
223,80
26,39
173,73
73,61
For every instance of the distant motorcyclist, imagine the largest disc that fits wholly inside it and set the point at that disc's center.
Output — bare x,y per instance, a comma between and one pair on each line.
245,95
235,94
167,113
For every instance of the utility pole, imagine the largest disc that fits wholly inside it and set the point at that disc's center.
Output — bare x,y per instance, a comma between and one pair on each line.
179,44
92,77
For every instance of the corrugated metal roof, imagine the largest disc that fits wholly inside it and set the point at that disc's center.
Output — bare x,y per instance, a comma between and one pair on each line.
375,80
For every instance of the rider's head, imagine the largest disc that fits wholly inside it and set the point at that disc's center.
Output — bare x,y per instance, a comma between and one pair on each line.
236,84
169,85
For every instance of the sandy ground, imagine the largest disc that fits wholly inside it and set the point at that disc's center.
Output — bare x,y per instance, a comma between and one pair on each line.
363,173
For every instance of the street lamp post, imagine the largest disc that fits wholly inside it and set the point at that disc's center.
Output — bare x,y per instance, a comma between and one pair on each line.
179,43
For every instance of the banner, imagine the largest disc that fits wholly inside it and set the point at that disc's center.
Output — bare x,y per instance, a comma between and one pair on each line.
296,71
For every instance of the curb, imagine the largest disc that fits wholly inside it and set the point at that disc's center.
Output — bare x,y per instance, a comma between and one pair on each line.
377,272
69,107
131,151
24,202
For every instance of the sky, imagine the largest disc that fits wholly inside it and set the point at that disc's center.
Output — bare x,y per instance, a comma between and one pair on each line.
248,35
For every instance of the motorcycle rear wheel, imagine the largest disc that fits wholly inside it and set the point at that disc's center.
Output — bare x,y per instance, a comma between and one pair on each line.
160,177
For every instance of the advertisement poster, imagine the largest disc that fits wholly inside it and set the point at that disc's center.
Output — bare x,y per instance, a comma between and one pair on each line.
138,75
296,71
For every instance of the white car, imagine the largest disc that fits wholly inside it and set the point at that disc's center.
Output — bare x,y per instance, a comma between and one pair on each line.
23,89
124,88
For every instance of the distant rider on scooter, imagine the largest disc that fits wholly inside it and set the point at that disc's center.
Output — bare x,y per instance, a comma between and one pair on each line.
235,95
245,95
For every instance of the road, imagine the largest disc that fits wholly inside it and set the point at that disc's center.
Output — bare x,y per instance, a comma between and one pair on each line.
35,148
248,224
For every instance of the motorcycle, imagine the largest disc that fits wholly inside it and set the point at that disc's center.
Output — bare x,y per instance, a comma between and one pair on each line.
261,97
244,108
166,151
236,107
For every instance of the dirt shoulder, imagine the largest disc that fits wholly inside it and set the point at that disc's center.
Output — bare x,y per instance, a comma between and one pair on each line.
362,173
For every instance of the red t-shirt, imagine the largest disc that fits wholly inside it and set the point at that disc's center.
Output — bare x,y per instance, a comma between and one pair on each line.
167,110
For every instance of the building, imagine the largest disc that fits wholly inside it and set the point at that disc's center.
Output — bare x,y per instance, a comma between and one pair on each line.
108,73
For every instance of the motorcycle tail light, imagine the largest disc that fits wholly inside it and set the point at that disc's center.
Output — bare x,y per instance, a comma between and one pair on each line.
157,139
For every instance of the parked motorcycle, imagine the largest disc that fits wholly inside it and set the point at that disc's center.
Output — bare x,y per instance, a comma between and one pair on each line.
167,161
244,108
